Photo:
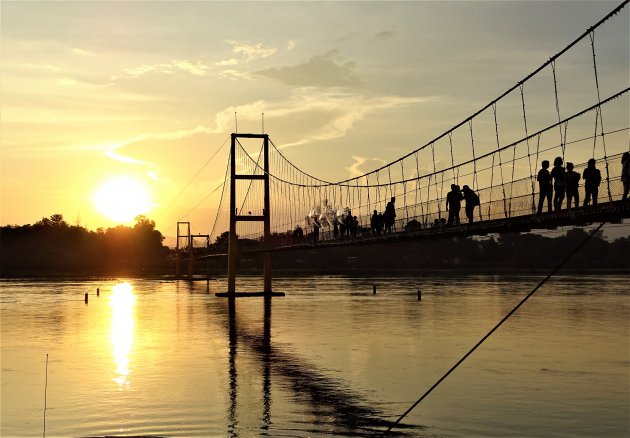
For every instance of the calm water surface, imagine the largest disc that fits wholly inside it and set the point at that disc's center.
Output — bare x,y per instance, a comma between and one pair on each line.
166,358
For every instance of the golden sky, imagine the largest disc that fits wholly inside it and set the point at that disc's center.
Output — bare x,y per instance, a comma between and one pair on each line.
102,95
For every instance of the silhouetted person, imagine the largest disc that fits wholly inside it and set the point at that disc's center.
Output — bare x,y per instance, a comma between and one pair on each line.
335,230
350,224
315,233
355,226
472,200
390,215
298,233
573,181
342,230
453,205
592,179
435,224
559,183
442,222
380,223
625,174
374,223
544,186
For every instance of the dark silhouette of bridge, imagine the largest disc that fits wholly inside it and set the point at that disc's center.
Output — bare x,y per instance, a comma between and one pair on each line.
558,110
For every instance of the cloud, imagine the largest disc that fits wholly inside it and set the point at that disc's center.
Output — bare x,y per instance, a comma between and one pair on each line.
82,52
384,35
196,68
363,165
112,149
233,74
251,51
291,45
324,114
319,70
226,62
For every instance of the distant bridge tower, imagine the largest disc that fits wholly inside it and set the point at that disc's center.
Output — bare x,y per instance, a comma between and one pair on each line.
183,232
235,217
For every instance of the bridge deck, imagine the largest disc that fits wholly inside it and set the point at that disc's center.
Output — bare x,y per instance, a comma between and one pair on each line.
613,212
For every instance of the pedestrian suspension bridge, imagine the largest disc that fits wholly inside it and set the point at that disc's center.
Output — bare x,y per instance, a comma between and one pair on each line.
574,106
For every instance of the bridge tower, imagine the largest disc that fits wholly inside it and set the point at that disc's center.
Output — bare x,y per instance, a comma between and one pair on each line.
183,231
235,217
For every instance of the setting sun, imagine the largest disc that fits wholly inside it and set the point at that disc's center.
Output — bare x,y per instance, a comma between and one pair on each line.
122,199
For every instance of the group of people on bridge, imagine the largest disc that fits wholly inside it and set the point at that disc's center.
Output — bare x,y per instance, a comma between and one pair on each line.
386,220
563,182
554,186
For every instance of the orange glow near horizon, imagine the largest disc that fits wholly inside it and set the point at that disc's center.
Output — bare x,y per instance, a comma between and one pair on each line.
122,302
121,199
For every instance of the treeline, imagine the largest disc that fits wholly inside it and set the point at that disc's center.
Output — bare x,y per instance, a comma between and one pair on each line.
52,246
510,252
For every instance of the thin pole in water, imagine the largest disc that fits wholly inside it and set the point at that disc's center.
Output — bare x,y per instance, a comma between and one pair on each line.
45,392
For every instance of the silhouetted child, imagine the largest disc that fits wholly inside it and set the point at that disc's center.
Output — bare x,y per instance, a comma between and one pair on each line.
380,224
592,178
453,205
559,183
472,200
335,230
625,174
573,181
544,186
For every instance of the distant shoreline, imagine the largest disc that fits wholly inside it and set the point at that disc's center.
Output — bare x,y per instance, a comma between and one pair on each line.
287,273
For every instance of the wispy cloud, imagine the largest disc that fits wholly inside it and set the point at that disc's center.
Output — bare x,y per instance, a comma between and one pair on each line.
233,74
250,50
384,35
320,70
227,62
196,68
331,113
363,165
291,45
82,52
113,149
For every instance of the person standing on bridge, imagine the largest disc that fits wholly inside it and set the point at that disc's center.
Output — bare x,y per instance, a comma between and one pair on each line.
625,174
374,223
380,224
573,181
592,178
453,205
390,216
544,187
472,200
559,177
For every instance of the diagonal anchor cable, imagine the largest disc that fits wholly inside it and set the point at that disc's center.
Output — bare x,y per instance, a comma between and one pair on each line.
544,280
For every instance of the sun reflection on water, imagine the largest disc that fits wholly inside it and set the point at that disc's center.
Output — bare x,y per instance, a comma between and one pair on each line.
122,302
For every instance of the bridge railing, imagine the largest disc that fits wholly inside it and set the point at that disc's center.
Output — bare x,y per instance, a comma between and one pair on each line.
519,201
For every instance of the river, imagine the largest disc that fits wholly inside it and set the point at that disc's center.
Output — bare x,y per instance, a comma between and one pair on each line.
167,358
